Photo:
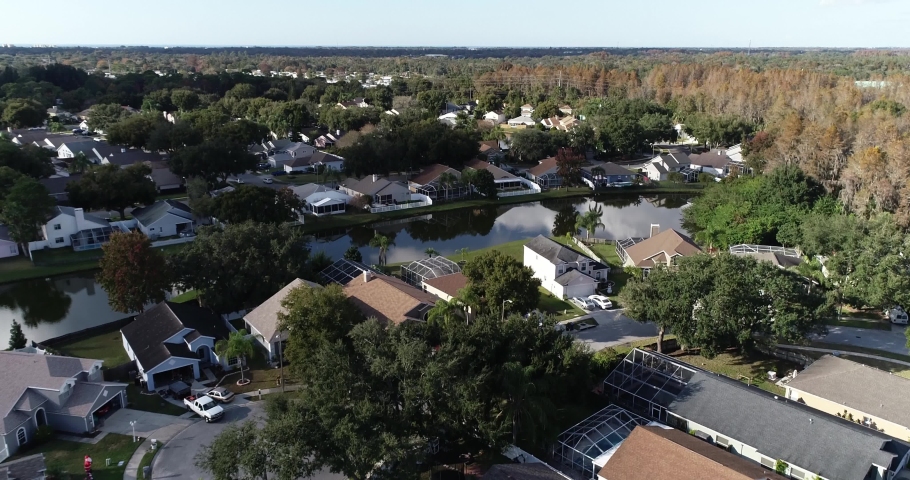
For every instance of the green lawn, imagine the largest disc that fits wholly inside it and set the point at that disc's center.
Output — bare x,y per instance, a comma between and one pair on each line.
300,179
185,296
151,403
67,457
261,373
859,323
147,459
562,309
106,346
752,368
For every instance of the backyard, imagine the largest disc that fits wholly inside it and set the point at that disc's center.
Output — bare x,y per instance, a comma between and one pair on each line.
261,374
65,459
106,346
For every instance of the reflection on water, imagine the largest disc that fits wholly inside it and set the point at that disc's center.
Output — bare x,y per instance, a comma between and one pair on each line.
476,228
48,308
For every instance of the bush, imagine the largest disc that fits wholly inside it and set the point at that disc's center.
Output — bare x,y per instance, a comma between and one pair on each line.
43,435
705,178
781,467
604,361
676,177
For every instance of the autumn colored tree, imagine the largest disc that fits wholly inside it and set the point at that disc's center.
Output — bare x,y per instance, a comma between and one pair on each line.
568,166
132,273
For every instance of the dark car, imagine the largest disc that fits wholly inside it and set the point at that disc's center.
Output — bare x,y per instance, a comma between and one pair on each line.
262,166
278,173
179,389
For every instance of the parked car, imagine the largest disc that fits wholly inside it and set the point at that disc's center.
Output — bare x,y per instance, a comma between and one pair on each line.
179,389
601,301
262,166
267,180
205,407
187,234
221,394
897,315
583,303
278,173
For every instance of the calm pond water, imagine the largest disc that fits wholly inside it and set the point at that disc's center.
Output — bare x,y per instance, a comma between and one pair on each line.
48,308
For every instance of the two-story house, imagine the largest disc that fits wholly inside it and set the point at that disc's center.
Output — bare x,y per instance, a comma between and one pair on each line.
174,341
661,248
662,165
561,270
71,227
68,394
263,321
607,174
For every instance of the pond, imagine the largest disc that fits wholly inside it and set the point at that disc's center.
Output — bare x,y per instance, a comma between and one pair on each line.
48,308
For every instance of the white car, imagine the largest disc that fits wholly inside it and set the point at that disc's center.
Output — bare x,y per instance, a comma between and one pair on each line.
583,303
267,180
601,301
221,394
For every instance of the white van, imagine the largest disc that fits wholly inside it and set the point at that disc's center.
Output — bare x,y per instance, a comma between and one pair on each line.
897,315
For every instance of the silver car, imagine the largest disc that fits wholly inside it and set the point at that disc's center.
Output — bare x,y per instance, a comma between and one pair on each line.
583,303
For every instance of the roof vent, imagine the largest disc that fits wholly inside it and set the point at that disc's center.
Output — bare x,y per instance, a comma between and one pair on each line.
655,229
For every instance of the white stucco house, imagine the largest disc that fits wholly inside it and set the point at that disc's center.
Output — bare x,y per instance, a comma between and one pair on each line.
495,117
563,271
8,248
662,165
321,200
71,227
164,218
263,320
175,341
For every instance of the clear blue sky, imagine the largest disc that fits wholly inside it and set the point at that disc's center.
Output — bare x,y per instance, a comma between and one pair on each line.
604,23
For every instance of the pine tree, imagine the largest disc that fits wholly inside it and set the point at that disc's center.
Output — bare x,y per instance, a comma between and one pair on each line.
16,337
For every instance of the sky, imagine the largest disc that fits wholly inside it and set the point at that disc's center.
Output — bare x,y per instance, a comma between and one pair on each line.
470,23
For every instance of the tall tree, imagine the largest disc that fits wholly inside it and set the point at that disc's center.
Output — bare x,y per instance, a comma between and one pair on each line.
110,187
590,220
28,160
239,345
525,404
133,273
102,116
353,254
497,278
26,206
21,113
383,243
568,166
257,204
17,339
134,131
212,161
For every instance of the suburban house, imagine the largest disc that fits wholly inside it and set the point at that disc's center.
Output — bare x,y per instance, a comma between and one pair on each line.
521,122
428,183
871,397
504,180
164,218
524,471
495,117
544,173
607,174
327,140
659,249
38,137
312,162
321,200
781,257
381,190
358,102
666,163
563,271
262,321
446,287
278,157
565,123
527,110
663,453
753,423
566,110
71,148
164,178
8,247
124,157
71,227
56,185
174,341
493,150
26,468
389,299
714,162
68,394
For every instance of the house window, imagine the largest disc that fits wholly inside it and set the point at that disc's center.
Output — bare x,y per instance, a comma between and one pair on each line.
722,442
767,462
797,474
20,436
58,240
57,226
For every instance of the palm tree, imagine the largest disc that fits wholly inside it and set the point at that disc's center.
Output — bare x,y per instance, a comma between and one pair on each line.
525,406
238,345
447,180
383,243
445,312
468,177
590,221
469,301
463,252
431,252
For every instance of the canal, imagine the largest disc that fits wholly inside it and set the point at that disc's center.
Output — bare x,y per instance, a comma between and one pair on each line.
48,308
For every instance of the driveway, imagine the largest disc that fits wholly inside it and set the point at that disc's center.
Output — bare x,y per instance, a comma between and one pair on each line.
256,180
613,329
146,422
176,460
892,341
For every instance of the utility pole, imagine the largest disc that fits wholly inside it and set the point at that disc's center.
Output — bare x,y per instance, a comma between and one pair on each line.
281,363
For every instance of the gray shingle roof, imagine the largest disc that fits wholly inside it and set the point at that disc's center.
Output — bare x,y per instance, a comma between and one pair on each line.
522,471
26,468
367,186
573,276
820,443
152,213
58,210
152,327
555,252
87,396
610,168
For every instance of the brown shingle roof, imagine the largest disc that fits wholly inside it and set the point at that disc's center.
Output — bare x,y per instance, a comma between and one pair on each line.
389,299
657,453
669,242
428,174
497,172
449,284
265,317
544,167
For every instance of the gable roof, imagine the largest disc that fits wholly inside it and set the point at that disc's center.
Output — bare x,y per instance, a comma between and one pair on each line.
315,159
498,173
389,299
487,145
609,168
523,471
304,191
712,158
554,251
79,145
669,241
547,165
70,211
857,386
367,186
823,444
658,453
265,317
162,175
131,156
673,159
448,284
148,331
432,172
57,185
150,214
574,277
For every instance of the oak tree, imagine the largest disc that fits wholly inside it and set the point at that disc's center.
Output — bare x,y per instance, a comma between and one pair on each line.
133,273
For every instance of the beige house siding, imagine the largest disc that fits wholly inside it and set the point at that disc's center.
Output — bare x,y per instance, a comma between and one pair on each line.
833,408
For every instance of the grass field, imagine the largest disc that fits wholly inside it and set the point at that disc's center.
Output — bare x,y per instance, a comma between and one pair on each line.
752,368
106,346
67,457
262,374
185,296
151,403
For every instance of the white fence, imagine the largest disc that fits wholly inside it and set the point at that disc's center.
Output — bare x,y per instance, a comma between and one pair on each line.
417,200
515,193
172,241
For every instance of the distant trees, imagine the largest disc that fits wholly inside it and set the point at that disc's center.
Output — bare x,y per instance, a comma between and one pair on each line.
110,187
133,273
531,145
28,160
214,161
102,116
258,204
21,113
134,131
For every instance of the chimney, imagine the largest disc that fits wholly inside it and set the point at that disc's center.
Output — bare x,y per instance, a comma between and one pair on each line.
9,129
122,150
655,229
80,218
375,177
367,276
338,133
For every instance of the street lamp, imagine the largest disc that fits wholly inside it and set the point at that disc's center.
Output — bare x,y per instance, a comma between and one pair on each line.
133,426
504,302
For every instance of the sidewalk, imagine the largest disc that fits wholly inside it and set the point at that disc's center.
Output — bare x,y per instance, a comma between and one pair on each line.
162,435
844,352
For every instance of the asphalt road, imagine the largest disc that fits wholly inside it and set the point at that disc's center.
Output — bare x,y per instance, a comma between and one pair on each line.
892,341
613,329
176,459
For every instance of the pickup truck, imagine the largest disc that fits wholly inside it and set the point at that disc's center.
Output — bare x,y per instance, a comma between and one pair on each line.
204,406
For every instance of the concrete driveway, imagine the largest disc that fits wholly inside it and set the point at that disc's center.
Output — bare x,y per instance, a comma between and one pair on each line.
176,460
892,341
613,329
146,422
255,180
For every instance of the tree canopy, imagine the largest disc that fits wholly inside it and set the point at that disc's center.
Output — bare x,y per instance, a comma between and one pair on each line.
25,207
133,273
257,204
214,161
110,187
496,278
